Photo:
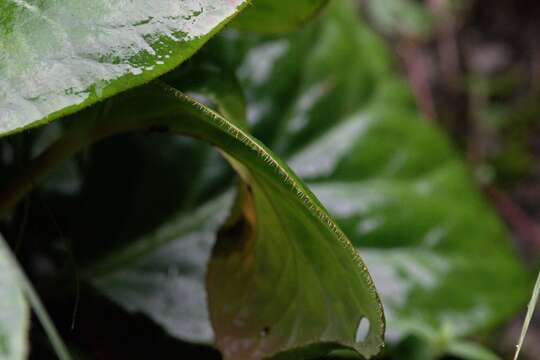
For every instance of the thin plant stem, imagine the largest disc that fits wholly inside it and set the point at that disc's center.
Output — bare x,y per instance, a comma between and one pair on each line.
528,317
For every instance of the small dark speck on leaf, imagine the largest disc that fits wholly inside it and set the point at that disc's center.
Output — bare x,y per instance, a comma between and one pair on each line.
265,331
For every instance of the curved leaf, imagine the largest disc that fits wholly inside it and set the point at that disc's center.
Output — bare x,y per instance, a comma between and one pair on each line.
392,181
288,225
180,244
57,57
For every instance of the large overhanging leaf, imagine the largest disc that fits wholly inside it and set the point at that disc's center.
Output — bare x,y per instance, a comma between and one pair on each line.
14,312
57,57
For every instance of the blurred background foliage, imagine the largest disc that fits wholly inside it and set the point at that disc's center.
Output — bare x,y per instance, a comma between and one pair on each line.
473,69
358,102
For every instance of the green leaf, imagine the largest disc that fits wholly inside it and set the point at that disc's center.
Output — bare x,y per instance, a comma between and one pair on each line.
58,57
162,274
290,240
320,243
14,312
349,127
271,16
180,233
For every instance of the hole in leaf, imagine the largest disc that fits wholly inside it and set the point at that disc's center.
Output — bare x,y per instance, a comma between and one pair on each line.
363,330
265,331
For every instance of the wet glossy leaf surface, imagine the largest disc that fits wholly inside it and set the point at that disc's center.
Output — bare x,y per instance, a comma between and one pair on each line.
57,57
